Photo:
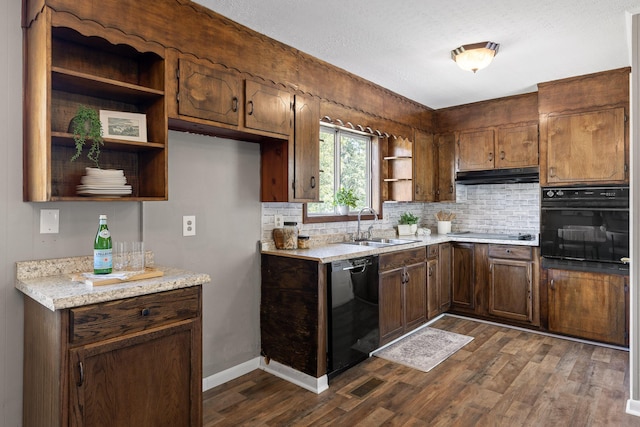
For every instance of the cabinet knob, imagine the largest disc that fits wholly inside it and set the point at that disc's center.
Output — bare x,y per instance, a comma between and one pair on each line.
553,285
145,312
502,155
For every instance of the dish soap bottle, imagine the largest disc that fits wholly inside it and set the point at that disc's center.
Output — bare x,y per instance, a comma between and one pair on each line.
102,252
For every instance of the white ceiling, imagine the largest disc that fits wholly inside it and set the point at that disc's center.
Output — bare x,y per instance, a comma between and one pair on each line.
405,45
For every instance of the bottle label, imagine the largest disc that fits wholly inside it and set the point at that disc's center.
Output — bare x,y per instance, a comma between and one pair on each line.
104,233
102,259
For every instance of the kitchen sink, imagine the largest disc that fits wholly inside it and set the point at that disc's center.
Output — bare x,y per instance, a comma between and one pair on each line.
381,242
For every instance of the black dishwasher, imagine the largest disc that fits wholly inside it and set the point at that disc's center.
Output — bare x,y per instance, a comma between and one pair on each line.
352,331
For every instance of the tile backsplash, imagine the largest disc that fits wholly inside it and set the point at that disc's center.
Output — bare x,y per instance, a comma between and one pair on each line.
490,208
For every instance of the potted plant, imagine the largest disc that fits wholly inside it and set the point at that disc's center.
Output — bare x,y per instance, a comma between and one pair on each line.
407,224
84,126
344,200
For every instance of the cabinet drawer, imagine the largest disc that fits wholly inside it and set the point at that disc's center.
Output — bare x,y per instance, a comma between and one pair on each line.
510,252
432,251
116,318
392,260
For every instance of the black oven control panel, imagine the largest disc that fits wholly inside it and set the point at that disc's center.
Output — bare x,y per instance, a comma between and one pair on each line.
587,195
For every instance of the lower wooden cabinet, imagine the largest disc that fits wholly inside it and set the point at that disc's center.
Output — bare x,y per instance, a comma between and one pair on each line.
513,283
438,279
135,361
589,305
463,277
402,292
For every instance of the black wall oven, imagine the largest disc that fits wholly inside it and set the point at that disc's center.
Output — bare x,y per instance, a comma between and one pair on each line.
585,228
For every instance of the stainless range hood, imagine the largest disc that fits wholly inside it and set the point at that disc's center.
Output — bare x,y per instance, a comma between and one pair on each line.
499,176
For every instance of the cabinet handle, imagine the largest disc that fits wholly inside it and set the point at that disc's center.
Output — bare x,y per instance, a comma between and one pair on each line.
145,312
430,271
313,182
502,155
81,368
250,109
552,171
490,157
451,189
234,104
553,285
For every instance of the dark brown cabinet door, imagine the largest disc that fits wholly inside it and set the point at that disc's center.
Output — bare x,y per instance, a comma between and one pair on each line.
586,147
517,147
510,289
433,289
268,108
207,93
463,277
391,304
306,180
425,167
588,305
141,379
475,150
446,189
444,276
415,295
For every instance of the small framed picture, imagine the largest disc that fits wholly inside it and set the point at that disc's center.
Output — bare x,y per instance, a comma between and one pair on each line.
121,125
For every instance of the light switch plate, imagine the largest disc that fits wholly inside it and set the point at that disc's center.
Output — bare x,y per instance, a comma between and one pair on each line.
49,221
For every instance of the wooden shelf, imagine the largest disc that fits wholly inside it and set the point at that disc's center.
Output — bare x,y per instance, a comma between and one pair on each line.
66,139
76,82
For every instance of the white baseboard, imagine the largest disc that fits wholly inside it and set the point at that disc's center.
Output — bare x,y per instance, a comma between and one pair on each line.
316,385
230,374
633,407
287,373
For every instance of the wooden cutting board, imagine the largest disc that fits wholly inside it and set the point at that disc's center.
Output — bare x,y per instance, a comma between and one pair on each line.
148,273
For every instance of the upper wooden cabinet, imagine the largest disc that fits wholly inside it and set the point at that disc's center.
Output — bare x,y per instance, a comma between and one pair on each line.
208,93
514,147
475,150
433,167
517,146
586,147
68,63
268,108
584,132
290,169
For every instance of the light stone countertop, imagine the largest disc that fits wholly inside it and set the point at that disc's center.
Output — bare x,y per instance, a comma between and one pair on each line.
340,251
49,282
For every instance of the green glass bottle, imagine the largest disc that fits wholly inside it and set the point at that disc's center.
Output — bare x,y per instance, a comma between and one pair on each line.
102,254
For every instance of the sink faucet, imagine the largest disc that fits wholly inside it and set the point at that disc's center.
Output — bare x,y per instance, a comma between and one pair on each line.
371,210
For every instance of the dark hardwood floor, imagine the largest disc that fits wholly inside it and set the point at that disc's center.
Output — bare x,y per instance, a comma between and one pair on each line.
504,377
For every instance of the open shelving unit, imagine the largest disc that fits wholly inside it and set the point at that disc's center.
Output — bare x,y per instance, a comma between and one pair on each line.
398,178
87,69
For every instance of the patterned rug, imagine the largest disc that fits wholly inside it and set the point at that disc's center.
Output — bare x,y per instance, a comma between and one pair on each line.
424,349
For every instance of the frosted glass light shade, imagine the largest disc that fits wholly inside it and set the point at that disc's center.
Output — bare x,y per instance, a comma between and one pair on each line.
474,57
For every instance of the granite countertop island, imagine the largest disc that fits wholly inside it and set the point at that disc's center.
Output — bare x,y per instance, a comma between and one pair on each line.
340,251
49,282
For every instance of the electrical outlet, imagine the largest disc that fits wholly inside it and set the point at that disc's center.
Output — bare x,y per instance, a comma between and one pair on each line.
279,221
49,221
189,225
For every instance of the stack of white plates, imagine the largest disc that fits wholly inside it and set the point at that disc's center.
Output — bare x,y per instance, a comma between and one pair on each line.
104,182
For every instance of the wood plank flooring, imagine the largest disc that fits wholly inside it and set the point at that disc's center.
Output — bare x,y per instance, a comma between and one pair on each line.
504,377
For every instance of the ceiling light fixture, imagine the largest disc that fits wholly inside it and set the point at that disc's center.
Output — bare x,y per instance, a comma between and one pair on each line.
474,57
